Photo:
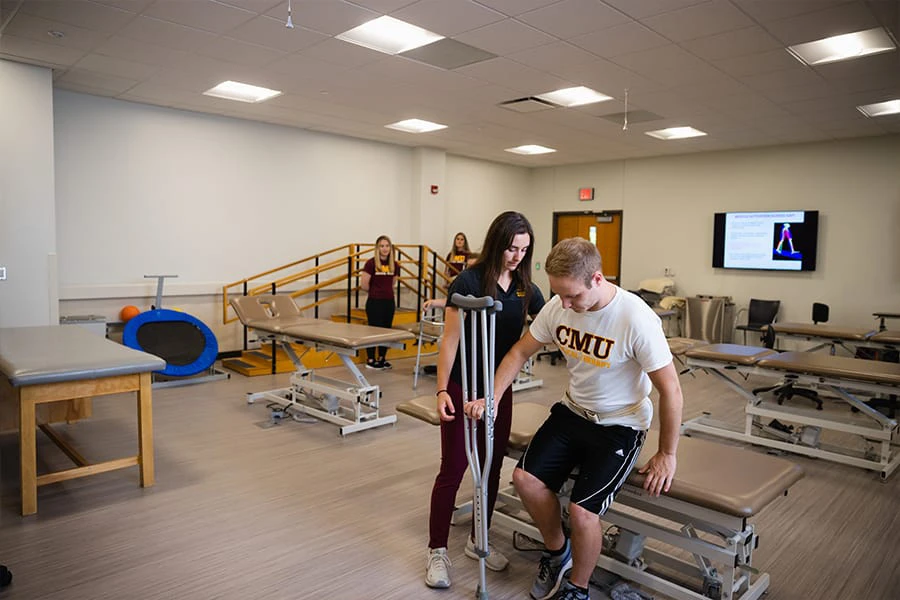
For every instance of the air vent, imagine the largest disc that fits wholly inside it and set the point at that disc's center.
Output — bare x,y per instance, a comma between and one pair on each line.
526,105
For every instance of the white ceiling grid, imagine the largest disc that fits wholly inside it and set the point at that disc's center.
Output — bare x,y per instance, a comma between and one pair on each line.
716,65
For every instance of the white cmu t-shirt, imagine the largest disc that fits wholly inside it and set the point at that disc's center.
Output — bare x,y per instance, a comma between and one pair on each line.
608,353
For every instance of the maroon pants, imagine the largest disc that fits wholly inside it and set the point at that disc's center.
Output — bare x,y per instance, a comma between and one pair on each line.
454,463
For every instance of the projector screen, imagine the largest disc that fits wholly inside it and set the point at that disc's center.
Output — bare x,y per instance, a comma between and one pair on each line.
772,240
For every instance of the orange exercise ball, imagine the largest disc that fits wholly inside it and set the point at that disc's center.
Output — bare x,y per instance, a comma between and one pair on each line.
129,312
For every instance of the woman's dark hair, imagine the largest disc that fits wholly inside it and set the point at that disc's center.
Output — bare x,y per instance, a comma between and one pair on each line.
498,239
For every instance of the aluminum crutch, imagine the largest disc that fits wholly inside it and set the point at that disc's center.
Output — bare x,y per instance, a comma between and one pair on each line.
482,317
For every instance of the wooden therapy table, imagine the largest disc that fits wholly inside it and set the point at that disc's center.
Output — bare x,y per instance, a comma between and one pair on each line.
49,374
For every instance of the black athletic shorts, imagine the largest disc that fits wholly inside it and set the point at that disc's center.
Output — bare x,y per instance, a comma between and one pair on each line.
603,454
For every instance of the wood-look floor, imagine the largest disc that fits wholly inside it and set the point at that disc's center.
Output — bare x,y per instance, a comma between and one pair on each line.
245,513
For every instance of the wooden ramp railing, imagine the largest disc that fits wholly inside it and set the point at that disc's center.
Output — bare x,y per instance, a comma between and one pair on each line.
333,276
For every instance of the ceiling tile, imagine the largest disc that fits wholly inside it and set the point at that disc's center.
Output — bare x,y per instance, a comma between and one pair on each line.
133,6
750,40
766,11
242,53
505,37
257,6
448,18
640,9
571,18
141,52
754,64
609,78
547,58
518,77
266,31
342,53
668,64
108,84
42,53
516,7
80,13
620,39
164,33
447,54
697,21
115,67
384,7
843,18
37,28
200,14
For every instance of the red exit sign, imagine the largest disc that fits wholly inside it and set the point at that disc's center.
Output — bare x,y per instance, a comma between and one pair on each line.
585,194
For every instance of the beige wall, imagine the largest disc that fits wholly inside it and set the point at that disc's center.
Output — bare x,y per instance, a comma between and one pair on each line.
669,203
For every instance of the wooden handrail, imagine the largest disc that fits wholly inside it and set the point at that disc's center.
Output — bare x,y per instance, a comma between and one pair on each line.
427,273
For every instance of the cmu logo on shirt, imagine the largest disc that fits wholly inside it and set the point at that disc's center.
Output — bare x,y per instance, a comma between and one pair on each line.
584,346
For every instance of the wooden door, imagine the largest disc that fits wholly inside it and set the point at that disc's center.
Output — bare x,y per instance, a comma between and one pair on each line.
603,229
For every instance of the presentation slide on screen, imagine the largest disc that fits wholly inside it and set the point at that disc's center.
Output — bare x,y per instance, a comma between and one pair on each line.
764,240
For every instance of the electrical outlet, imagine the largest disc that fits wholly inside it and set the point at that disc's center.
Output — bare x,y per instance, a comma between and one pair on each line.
2,273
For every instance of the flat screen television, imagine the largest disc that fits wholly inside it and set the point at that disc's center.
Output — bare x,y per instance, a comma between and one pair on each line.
784,240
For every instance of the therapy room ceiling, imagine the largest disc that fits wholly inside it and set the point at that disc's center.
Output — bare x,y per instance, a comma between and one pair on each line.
719,66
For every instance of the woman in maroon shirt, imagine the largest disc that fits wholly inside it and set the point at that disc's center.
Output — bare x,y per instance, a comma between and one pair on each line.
458,255
377,278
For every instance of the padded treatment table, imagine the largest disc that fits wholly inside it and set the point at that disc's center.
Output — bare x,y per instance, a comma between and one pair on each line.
846,378
65,364
827,336
717,490
353,406
886,338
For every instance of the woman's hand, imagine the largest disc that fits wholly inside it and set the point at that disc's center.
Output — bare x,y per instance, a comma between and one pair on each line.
445,406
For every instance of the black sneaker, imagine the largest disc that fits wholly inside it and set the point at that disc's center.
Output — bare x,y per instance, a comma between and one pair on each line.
371,364
385,364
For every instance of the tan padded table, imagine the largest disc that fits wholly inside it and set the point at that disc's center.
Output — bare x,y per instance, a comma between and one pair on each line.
731,353
825,365
886,337
273,314
855,334
727,479
66,364
678,346
346,335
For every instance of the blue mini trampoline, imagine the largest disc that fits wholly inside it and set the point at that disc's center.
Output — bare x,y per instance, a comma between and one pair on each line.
186,344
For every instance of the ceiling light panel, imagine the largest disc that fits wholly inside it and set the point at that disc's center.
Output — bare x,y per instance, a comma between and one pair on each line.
676,133
531,149
574,96
242,92
880,109
843,47
389,35
416,126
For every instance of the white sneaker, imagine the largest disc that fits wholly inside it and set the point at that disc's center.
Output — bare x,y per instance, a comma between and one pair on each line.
437,568
494,561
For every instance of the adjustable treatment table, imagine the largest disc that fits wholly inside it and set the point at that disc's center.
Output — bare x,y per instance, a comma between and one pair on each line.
353,406
827,336
49,375
717,490
846,378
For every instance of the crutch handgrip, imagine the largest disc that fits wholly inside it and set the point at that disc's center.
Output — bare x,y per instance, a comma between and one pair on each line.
473,303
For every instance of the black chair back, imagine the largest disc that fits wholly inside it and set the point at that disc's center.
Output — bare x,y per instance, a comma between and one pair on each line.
819,313
762,312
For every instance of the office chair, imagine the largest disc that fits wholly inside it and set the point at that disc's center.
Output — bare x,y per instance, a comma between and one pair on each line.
759,314
5,576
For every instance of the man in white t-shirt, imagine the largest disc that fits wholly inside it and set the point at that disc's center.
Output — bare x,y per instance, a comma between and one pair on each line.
616,352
